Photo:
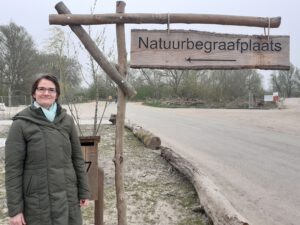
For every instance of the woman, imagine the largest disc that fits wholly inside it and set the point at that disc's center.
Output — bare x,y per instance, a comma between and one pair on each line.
45,174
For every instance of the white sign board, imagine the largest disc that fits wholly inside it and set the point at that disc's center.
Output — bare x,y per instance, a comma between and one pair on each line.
268,98
181,49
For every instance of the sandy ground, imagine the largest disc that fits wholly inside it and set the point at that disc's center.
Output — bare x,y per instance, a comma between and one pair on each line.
155,193
280,121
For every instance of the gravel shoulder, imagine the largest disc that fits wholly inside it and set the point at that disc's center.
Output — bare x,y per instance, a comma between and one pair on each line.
155,193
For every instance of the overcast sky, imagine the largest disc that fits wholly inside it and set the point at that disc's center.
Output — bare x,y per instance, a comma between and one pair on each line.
33,15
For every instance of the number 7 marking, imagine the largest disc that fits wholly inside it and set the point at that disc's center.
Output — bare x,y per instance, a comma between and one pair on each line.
89,165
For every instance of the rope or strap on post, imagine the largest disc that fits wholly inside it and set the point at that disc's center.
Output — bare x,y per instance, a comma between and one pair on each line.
268,29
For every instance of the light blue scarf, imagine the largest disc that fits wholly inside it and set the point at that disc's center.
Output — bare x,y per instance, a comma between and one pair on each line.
49,113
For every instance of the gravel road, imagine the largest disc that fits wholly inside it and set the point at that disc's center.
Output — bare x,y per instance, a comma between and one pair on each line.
251,155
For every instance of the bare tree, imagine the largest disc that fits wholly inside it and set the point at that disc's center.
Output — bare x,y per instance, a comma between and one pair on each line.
227,85
297,82
62,44
154,78
61,61
194,84
285,82
17,51
175,78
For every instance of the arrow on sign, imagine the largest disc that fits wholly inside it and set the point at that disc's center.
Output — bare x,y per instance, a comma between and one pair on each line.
210,60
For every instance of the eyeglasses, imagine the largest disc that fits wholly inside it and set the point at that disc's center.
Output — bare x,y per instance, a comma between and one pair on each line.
43,90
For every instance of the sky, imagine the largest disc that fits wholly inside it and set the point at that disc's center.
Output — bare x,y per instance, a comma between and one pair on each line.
33,15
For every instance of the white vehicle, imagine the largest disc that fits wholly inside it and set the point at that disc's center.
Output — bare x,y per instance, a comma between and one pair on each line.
2,107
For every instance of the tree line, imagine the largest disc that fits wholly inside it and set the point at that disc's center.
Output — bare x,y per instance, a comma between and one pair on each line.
21,62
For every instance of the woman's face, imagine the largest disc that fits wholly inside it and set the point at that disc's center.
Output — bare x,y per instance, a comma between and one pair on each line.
45,94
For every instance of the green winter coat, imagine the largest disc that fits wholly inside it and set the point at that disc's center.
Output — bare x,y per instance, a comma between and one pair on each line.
45,172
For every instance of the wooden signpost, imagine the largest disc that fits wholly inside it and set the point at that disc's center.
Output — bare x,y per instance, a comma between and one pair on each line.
172,50
181,49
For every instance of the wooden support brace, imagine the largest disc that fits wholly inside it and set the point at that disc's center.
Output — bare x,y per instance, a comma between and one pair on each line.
92,48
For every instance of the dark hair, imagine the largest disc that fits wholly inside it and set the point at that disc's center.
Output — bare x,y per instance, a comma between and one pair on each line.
47,77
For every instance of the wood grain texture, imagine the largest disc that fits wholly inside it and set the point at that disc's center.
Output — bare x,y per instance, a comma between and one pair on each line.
182,49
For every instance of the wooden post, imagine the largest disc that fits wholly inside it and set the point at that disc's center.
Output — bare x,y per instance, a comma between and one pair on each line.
119,158
89,148
95,174
99,203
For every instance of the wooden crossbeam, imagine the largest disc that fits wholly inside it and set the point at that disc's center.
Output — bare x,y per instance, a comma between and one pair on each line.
165,18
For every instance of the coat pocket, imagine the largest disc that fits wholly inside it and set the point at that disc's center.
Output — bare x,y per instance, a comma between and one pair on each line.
30,184
31,205
27,185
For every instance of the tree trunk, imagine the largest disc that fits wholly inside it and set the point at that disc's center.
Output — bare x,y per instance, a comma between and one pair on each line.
9,96
148,139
